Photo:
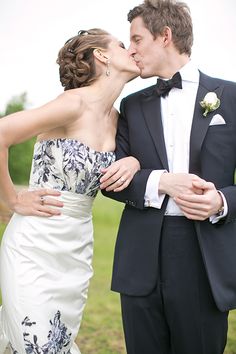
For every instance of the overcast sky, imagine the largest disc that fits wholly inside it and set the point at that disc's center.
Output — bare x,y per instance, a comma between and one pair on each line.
32,32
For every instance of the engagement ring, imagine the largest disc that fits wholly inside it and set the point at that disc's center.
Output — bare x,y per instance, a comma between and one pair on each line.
122,180
42,200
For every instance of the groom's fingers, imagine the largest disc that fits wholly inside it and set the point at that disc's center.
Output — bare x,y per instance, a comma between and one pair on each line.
202,184
193,209
194,201
199,207
194,216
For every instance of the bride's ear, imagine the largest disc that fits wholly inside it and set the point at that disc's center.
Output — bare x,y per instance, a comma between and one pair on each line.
100,55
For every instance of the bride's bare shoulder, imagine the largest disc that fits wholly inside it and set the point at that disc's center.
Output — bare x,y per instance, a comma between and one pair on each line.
71,99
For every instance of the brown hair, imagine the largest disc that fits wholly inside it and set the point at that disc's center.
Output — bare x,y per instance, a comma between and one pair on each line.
76,59
157,14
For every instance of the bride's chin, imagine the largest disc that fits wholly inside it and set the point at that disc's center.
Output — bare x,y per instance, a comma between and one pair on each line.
134,76
137,72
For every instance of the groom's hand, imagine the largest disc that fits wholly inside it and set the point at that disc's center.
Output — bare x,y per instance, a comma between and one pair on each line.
175,184
200,207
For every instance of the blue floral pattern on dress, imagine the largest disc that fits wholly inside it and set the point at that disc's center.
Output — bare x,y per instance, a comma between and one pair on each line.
58,338
68,165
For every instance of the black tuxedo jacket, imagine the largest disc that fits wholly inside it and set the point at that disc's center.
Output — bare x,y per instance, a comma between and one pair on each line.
212,157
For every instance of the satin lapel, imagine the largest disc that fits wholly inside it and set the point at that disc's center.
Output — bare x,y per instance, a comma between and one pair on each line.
152,114
200,123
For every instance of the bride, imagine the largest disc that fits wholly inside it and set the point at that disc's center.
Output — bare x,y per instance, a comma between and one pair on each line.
47,248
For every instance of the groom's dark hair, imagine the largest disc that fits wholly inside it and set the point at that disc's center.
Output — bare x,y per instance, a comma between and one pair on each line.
157,14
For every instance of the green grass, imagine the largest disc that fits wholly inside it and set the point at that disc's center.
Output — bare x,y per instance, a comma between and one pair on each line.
101,329
2,228
231,345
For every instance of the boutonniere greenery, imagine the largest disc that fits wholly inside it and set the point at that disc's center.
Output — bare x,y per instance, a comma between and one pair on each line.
210,103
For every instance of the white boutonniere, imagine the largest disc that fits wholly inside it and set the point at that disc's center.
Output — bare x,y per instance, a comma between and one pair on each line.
210,103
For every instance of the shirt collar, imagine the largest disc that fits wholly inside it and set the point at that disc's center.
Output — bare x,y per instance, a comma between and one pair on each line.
189,72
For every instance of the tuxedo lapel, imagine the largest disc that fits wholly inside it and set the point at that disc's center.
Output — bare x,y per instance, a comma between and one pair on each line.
200,123
152,113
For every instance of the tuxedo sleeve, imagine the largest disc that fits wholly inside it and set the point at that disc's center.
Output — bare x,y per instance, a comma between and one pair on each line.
230,196
134,194
228,103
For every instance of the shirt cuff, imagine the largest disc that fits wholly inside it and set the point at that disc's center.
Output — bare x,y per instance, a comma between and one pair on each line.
152,197
216,217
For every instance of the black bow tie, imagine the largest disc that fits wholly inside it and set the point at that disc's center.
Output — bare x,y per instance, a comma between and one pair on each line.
163,87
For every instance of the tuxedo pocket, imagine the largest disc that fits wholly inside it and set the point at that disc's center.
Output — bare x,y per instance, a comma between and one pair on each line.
217,119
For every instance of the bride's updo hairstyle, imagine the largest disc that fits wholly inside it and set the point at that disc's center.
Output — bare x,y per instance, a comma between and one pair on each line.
76,60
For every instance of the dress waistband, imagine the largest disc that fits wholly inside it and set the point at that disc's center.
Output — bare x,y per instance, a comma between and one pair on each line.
76,205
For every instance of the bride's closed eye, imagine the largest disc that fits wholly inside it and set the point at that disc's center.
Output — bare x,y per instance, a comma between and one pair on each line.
122,45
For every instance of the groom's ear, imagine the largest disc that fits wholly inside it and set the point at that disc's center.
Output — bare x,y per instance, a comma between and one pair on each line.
166,35
98,53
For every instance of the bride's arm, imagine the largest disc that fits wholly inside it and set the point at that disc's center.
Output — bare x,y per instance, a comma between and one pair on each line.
21,126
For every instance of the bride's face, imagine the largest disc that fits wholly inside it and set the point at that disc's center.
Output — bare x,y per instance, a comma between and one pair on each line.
121,60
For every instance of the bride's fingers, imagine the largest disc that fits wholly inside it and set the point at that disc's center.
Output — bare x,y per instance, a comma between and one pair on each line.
110,181
43,214
42,202
50,201
47,211
118,185
110,176
46,191
123,186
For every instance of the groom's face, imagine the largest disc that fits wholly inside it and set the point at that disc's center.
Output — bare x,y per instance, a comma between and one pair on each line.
148,52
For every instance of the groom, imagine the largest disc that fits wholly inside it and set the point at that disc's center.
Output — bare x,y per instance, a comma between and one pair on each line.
175,263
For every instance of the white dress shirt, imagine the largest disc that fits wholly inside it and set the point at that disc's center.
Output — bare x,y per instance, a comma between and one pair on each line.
177,110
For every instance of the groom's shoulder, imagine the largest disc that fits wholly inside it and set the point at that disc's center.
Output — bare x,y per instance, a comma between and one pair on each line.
219,81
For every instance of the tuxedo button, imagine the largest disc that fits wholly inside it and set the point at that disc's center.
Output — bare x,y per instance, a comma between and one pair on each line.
130,202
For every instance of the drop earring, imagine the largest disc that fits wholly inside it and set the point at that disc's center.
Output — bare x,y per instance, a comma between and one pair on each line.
108,68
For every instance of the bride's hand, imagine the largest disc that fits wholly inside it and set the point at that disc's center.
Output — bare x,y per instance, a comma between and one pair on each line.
38,202
119,174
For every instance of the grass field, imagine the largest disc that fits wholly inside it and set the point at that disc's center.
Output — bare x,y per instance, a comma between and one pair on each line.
101,329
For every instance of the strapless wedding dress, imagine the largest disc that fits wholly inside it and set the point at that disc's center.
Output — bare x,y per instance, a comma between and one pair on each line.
46,262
